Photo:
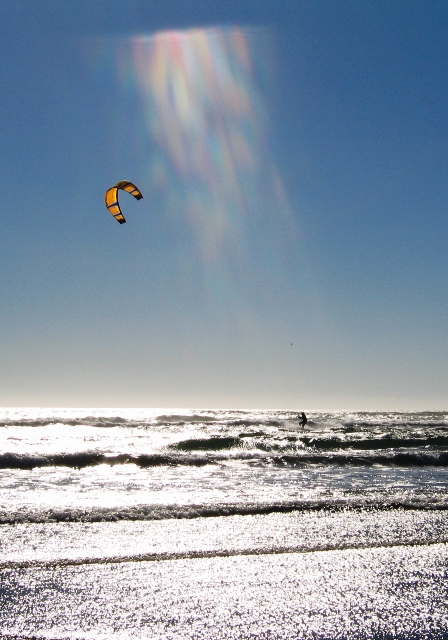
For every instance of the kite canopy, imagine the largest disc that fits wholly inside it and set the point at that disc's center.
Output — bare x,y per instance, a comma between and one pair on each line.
111,198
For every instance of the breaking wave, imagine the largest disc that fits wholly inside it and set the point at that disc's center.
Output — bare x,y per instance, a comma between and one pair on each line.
417,458
172,512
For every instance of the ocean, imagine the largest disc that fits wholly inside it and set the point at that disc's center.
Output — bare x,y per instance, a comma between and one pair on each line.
156,523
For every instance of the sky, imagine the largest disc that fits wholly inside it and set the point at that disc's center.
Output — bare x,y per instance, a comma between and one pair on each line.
290,250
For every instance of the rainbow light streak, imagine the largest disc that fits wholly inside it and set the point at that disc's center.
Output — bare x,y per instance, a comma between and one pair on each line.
204,112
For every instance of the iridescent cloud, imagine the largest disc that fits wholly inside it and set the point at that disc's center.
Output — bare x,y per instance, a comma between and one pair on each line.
205,116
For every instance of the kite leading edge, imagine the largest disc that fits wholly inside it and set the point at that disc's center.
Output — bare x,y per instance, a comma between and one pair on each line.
111,198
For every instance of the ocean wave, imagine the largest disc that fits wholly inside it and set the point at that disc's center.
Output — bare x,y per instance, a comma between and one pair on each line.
396,459
395,424
261,441
259,422
420,458
168,419
183,418
207,444
86,459
368,444
193,554
181,512
94,421
229,420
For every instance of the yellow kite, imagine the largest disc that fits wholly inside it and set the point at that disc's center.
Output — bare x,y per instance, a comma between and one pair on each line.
111,198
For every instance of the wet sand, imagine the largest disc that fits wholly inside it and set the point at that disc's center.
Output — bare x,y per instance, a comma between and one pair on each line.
342,575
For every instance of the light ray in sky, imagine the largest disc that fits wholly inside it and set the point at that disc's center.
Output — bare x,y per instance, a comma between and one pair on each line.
207,122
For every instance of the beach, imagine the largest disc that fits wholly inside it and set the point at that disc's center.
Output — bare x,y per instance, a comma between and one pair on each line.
216,525
376,575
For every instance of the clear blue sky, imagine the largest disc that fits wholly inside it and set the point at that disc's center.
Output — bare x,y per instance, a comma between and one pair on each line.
290,251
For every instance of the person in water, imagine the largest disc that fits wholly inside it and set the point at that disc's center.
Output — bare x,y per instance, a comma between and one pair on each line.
303,419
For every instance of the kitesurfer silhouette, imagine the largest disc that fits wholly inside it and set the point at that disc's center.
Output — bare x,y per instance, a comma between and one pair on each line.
303,419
